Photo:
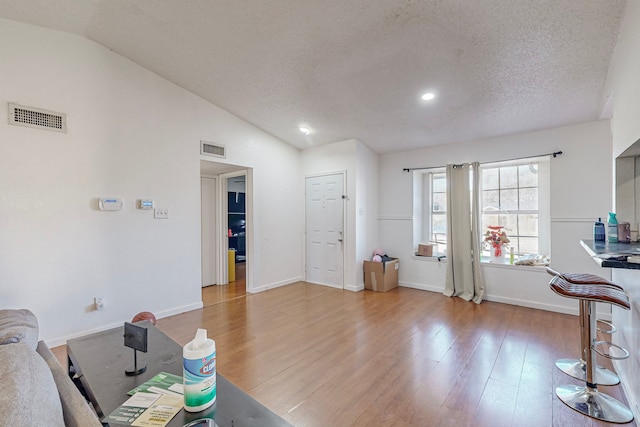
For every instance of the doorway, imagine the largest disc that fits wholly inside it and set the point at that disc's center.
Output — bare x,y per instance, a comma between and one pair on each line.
324,226
219,221
236,232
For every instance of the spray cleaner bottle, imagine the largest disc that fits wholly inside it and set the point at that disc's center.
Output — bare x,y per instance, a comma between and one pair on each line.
613,228
199,372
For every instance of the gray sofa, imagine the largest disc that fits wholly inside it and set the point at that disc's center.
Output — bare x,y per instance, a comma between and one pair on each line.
34,388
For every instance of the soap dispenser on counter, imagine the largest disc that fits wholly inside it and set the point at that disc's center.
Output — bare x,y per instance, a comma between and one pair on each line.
613,228
598,231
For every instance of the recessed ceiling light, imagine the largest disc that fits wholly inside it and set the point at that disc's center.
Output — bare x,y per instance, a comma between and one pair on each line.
428,96
305,130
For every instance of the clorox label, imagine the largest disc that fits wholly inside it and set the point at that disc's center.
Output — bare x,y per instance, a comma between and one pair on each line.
199,381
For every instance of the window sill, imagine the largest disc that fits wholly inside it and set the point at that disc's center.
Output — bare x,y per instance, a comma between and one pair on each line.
486,263
434,258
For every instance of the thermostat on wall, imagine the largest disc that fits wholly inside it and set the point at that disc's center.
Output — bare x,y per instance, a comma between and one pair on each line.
145,204
110,204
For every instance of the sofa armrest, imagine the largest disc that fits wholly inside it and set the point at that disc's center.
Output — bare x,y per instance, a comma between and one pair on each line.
75,409
18,326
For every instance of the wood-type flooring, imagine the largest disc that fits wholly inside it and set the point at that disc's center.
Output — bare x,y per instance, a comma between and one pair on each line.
218,293
319,356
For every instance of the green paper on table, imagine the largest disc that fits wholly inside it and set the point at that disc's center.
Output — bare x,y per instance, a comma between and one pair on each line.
163,383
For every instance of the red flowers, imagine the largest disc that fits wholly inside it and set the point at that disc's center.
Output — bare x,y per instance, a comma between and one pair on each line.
497,238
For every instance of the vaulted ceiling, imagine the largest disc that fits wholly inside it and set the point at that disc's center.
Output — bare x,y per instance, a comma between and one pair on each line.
357,68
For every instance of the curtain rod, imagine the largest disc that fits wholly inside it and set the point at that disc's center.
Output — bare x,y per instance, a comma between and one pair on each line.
554,154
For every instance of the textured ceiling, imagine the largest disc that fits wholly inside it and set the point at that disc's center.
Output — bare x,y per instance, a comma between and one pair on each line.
356,68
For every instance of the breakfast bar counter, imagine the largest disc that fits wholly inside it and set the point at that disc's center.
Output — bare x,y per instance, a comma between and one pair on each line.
613,255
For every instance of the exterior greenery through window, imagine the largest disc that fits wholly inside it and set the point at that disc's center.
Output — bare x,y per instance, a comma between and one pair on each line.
514,195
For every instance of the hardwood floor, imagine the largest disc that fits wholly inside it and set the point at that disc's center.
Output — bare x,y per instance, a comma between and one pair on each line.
219,293
319,356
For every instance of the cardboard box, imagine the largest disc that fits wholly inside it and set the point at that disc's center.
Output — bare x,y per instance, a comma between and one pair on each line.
381,276
425,249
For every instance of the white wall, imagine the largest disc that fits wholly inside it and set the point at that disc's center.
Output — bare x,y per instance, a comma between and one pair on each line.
580,192
360,165
131,134
367,171
277,215
623,83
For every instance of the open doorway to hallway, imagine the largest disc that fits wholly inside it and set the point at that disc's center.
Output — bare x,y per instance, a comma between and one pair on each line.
236,208
225,231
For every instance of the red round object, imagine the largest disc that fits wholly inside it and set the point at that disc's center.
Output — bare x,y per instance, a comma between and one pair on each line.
144,315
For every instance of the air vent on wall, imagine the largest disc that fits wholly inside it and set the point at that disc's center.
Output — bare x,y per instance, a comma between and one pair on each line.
210,149
38,118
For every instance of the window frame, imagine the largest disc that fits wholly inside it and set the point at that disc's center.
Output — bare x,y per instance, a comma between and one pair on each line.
543,194
423,214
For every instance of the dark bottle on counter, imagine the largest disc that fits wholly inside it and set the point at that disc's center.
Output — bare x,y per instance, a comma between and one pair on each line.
598,231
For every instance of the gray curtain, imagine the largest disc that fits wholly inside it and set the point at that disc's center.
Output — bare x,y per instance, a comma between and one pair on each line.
464,278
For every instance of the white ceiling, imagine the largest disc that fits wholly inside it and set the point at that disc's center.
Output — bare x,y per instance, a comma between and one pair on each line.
356,68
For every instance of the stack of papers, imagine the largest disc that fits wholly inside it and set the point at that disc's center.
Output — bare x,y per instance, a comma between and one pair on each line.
152,404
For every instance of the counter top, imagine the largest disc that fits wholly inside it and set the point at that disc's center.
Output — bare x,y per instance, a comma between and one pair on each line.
612,255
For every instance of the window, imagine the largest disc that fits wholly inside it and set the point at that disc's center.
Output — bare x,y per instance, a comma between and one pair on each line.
510,197
514,195
438,207
430,209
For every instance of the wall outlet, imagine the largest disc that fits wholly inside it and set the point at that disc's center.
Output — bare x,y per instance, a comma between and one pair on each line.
161,213
98,302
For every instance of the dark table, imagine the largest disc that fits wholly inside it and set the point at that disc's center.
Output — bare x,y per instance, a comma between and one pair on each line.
99,361
617,251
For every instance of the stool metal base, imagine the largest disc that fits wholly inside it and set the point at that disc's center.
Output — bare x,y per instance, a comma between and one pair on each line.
577,369
594,404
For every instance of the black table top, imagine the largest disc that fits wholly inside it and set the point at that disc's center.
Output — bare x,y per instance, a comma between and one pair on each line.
616,253
101,359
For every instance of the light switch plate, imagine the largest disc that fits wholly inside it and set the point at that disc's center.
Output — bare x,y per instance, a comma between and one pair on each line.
161,213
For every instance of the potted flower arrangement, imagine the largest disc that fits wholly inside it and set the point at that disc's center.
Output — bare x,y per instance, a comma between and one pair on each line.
496,238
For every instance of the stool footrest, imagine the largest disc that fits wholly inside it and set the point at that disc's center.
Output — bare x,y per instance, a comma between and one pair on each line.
609,355
611,326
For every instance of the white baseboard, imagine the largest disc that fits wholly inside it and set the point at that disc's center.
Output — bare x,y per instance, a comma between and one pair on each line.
275,285
54,342
531,304
506,300
354,288
178,310
422,287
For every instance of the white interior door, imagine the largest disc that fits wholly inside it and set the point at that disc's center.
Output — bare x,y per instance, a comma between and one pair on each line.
324,210
208,188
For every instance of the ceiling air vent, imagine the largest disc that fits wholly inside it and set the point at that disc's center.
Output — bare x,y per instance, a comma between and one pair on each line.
38,118
210,149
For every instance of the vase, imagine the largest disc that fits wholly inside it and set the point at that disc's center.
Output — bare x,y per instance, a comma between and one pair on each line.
497,254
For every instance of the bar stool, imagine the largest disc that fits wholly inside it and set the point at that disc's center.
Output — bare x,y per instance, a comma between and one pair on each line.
576,368
587,399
